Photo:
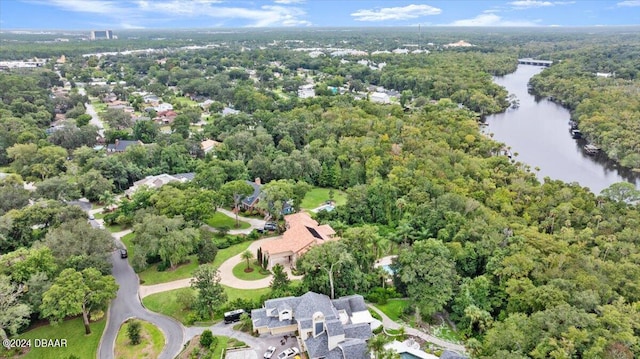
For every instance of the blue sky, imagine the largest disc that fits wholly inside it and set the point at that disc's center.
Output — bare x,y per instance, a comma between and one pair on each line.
131,14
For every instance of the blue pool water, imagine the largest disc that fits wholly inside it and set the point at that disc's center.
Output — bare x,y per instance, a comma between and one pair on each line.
388,269
408,356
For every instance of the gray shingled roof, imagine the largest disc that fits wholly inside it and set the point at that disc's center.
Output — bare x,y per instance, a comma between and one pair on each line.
354,349
312,302
317,347
334,327
350,304
256,193
305,324
357,331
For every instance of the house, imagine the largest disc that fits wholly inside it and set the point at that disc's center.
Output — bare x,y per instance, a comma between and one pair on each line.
155,182
121,145
302,233
229,111
208,145
380,97
331,329
306,91
249,202
165,117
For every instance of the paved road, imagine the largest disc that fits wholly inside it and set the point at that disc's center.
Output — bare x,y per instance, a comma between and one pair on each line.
388,323
95,120
127,305
226,275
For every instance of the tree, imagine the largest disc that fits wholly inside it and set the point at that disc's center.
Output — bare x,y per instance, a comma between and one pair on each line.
76,244
329,257
94,185
206,280
622,192
13,313
428,271
145,131
181,125
207,251
74,293
83,120
236,191
248,256
133,331
175,247
117,118
376,346
280,280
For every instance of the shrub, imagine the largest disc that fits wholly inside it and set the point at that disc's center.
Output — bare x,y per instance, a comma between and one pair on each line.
186,299
207,251
133,332
206,338
222,243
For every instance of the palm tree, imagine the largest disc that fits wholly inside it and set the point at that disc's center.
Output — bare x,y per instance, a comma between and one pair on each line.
107,199
248,256
376,347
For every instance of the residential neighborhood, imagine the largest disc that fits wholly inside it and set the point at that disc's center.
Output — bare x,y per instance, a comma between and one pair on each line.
283,190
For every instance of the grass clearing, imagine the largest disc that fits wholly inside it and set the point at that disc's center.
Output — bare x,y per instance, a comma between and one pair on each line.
250,294
394,308
151,342
222,220
167,303
255,274
128,242
78,344
151,275
116,228
317,196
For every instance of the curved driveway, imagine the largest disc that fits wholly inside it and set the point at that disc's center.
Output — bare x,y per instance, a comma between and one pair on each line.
127,305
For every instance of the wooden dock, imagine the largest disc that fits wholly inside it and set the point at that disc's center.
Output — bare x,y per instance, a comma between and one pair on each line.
591,149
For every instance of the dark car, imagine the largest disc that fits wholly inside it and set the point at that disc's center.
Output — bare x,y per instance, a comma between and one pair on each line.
270,226
123,253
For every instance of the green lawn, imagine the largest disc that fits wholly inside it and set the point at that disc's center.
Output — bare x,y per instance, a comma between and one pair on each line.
317,196
166,302
99,215
238,271
151,275
394,308
116,228
221,220
151,342
78,344
251,294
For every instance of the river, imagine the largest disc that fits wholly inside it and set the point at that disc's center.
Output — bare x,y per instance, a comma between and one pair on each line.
538,132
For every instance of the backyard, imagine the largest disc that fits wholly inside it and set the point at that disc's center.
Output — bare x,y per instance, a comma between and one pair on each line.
318,196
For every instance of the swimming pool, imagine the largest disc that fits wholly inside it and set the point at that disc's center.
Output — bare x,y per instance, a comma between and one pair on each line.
387,268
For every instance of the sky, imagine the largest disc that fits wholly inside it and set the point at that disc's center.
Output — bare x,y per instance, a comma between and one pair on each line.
168,14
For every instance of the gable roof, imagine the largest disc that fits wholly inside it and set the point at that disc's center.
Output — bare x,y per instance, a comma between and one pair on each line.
249,200
121,145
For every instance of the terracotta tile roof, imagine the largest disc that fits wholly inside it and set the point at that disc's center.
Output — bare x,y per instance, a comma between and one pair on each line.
303,232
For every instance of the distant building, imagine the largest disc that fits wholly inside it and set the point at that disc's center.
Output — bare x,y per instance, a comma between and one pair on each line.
101,35
155,182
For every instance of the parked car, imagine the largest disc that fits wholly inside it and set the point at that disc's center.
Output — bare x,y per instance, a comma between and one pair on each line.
269,353
288,353
92,217
270,226
123,253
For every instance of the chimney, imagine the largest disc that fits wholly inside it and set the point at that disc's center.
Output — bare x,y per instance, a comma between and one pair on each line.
116,144
258,182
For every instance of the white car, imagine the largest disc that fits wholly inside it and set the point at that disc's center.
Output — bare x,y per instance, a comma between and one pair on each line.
288,353
269,353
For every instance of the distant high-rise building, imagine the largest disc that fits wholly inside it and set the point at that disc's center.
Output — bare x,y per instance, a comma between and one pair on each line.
101,35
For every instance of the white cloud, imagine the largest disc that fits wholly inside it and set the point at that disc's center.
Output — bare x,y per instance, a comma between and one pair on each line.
527,4
133,14
96,7
289,1
492,20
395,13
629,3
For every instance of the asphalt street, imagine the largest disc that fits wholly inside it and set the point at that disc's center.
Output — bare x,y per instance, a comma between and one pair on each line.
127,305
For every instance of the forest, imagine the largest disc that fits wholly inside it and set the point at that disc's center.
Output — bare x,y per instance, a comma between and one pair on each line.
523,268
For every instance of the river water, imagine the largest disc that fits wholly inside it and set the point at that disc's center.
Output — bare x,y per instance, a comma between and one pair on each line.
538,132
